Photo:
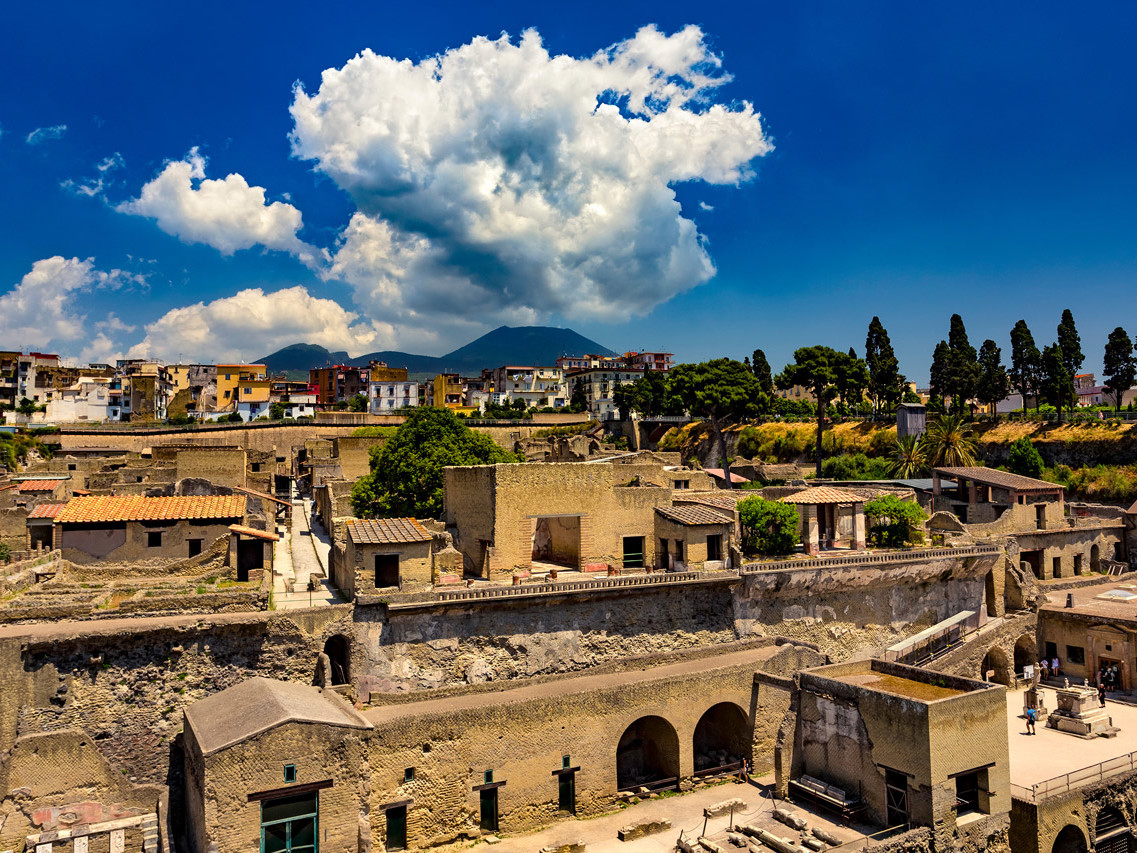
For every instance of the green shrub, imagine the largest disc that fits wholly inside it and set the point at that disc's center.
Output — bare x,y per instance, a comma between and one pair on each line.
855,467
1025,459
768,527
894,522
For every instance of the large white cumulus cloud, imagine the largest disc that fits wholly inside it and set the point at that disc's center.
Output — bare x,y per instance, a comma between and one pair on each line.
252,323
42,310
497,177
227,214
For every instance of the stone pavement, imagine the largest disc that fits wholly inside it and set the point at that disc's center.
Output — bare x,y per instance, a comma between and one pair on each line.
302,554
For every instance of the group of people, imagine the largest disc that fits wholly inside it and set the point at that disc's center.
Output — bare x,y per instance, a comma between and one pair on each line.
1108,681
1048,668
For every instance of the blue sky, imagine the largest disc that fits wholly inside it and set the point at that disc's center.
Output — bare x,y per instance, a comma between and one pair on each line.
911,161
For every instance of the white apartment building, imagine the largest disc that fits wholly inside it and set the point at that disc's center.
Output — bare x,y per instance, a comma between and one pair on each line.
388,396
537,386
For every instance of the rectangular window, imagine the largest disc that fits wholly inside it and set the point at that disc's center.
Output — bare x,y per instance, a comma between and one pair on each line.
967,793
714,547
487,777
289,772
153,538
386,570
679,550
566,761
194,546
633,552
1076,655
290,824
1040,516
409,774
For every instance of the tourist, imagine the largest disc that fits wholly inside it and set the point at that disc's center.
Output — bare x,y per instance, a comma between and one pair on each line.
1115,677
1054,667
1101,693
1031,718
1044,668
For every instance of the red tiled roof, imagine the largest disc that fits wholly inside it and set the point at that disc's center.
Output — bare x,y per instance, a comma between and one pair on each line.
46,511
823,495
386,531
39,485
1001,479
138,508
693,515
717,473
252,531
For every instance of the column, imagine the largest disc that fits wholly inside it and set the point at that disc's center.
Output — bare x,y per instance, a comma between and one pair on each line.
809,530
858,527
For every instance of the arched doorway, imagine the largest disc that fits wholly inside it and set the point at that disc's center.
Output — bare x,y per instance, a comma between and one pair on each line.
1069,840
1026,652
1095,559
338,650
996,659
647,754
721,737
1111,832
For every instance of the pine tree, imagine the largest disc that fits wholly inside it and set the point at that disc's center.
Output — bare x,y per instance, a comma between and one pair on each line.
938,375
883,366
1026,362
761,370
963,365
1119,364
993,385
1071,343
1057,382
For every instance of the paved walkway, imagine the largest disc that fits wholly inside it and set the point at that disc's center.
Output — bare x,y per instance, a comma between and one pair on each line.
301,555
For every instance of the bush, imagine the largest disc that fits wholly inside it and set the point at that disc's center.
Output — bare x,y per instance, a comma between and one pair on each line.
768,527
855,467
1025,459
233,418
893,522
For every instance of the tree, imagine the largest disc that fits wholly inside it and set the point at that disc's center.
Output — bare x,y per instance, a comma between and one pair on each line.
949,442
813,368
1056,383
276,411
406,472
938,375
883,367
909,459
1119,364
721,390
760,367
894,522
850,377
962,365
234,418
578,403
994,384
1026,362
27,407
646,396
623,396
768,527
357,403
1024,458
1071,344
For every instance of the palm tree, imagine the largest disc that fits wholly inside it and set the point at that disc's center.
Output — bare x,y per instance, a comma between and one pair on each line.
949,442
909,459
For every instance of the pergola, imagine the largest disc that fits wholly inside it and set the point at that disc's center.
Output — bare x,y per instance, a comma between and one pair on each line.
821,514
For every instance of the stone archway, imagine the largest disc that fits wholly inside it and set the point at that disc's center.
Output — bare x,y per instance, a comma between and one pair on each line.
1070,840
647,754
721,737
1111,832
996,661
1026,652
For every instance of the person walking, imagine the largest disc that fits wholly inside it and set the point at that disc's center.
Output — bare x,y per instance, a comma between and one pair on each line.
1044,668
1054,667
1031,719
1101,694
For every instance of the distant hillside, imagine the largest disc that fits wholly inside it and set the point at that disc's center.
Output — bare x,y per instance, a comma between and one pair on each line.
522,345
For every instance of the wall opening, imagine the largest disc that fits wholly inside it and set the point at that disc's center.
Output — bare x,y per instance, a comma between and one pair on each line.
721,737
996,667
1095,559
193,547
386,570
1111,832
1077,564
338,649
1026,652
1034,560
648,755
488,810
39,534
1070,840
250,556
989,594
397,828
714,546
633,552
556,540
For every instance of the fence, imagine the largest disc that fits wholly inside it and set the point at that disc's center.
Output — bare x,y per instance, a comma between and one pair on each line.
1075,779
886,558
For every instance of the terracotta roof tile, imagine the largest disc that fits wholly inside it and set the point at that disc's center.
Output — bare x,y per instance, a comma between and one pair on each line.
823,495
994,477
39,485
46,511
718,474
386,531
137,508
694,514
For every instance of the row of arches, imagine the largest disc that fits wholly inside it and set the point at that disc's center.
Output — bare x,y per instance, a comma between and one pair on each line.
1002,667
647,753
1112,834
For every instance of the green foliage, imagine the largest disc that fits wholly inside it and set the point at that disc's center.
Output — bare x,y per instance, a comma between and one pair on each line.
1116,483
578,403
814,368
406,474
179,420
855,467
768,527
909,458
1026,361
511,410
1056,382
994,384
949,441
1071,344
894,522
276,411
567,429
1024,458
721,390
646,396
5,552
884,380
760,367
233,418
27,407
357,403
1119,365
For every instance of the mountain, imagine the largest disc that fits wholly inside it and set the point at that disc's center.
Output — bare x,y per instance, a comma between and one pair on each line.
522,345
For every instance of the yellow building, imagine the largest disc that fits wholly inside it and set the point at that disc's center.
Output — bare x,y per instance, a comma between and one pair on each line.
231,376
449,392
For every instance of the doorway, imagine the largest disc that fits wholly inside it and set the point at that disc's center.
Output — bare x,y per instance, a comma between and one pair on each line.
896,797
488,810
250,556
386,570
566,793
556,540
633,552
397,828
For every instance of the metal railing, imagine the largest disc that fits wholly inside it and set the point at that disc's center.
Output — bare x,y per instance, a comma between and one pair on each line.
1075,779
859,559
